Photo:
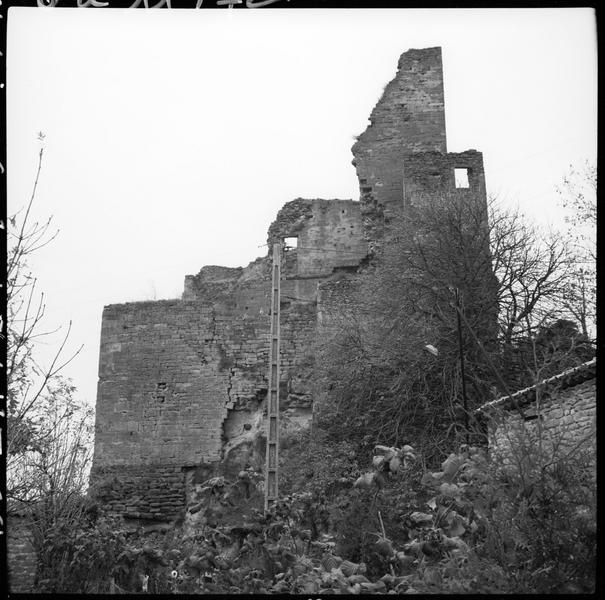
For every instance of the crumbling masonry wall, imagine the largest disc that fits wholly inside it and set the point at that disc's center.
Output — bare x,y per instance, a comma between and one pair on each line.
171,374
182,383
430,174
408,118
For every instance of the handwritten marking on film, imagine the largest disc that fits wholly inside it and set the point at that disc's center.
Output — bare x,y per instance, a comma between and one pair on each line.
160,4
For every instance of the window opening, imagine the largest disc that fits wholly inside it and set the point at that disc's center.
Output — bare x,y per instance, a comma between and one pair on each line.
461,178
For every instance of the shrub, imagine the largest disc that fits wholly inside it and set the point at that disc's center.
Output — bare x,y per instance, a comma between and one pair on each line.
475,525
79,557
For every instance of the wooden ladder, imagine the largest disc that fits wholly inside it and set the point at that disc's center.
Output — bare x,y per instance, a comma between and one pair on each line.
271,466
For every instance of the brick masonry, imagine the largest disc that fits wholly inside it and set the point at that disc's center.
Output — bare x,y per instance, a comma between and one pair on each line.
182,383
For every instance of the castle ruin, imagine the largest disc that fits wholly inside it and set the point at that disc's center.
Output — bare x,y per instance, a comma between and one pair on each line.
182,383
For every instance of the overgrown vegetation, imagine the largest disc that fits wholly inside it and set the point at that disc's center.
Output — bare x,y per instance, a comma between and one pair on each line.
453,280
473,526
49,429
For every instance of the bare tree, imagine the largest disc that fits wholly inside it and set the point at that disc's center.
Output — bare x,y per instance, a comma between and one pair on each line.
382,372
578,195
44,427
510,277
532,271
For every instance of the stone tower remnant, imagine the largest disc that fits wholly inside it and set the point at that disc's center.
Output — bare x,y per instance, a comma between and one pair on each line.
409,118
182,383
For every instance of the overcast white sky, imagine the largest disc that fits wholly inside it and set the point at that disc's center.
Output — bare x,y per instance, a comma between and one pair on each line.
173,137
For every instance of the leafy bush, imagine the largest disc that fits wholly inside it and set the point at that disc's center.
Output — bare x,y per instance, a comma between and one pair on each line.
475,525
316,464
486,530
81,558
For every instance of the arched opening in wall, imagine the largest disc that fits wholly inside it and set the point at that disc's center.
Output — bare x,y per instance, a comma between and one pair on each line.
461,178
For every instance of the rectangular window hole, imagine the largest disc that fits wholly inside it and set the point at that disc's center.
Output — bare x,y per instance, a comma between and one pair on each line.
461,178
290,242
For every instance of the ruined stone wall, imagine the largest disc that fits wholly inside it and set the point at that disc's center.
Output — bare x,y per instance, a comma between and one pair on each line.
163,369
21,556
335,300
147,492
213,284
329,233
172,376
408,118
430,174
566,418
432,186
329,236
182,383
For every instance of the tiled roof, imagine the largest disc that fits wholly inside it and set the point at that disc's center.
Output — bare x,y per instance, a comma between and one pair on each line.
569,378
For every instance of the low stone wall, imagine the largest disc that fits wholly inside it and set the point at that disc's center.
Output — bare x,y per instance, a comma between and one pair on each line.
21,555
147,492
565,421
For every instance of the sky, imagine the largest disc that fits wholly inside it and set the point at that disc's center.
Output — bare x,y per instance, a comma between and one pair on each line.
173,137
